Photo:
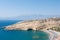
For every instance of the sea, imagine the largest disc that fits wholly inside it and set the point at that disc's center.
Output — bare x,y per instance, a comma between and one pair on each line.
19,34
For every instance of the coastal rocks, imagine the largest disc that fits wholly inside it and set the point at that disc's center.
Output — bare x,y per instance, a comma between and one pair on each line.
35,24
26,25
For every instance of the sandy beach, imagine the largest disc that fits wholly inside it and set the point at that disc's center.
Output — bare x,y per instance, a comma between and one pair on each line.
53,35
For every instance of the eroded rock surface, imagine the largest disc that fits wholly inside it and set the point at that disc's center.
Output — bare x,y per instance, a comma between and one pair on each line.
35,24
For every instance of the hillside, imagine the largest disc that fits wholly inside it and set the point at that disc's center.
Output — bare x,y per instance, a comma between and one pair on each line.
40,24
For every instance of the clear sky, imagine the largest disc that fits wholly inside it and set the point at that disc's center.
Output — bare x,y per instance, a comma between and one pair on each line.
28,8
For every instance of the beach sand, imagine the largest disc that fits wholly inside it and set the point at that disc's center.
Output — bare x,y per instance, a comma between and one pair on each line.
53,35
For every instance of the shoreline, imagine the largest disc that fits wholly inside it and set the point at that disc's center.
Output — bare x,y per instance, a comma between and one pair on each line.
53,35
49,34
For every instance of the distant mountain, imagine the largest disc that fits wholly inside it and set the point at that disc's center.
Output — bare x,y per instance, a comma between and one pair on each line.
29,17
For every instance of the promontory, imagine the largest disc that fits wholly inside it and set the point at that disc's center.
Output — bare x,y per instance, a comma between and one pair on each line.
40,24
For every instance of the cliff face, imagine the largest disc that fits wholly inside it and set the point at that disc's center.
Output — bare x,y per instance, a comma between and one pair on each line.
35,24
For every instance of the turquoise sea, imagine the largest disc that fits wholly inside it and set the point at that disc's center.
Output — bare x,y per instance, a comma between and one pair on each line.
18,34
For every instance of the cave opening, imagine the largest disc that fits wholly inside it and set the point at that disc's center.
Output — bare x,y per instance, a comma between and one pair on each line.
30,29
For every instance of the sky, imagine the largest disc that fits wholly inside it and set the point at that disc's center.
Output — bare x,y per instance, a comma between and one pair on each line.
26,9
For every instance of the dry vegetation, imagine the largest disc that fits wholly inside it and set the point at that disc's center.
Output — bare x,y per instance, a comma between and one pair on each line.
56,28
37,24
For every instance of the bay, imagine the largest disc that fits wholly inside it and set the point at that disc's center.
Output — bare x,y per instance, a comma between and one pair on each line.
20,35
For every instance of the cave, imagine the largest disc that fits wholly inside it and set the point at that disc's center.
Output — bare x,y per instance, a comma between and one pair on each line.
30,29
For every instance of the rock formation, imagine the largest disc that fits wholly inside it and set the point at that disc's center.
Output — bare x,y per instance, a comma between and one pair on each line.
35,24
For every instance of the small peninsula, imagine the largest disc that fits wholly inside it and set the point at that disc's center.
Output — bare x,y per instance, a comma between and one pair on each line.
41,24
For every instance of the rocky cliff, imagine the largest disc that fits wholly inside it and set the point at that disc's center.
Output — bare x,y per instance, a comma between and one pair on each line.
35,24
